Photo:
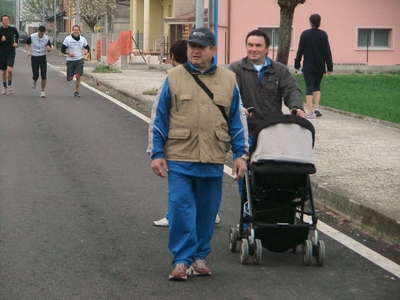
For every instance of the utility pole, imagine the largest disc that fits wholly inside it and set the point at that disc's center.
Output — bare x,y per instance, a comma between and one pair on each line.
17,13
55,24
199,13
78,13
43,13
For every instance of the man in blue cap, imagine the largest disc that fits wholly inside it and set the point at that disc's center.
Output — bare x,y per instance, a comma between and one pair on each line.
197,117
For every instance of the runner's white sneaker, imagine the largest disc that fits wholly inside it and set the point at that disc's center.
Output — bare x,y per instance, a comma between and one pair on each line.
4,92
42,95
34,84
10,89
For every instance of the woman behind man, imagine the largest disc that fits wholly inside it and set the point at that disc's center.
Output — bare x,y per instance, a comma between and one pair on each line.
314,46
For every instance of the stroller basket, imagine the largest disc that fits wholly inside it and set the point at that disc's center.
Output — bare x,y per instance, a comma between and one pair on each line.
282,237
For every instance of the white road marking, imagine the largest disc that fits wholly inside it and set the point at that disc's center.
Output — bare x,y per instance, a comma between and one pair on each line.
355,246
359,248
124,106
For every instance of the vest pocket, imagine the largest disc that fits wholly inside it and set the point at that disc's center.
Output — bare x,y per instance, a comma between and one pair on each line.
182,102
223,140
179,134
222,100
223,136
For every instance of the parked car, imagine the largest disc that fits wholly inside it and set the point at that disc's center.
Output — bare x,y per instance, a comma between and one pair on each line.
23,36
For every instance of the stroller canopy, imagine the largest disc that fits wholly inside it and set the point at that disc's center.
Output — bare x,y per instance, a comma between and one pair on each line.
284,138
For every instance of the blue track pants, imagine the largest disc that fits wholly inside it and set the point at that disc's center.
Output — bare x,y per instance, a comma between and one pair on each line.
193,205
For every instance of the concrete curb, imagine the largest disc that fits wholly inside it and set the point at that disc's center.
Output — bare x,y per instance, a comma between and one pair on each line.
364,217
361,117
146,103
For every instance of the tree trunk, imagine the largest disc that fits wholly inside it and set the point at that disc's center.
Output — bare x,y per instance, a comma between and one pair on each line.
285,29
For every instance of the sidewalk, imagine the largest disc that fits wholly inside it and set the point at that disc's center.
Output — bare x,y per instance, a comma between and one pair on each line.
357,158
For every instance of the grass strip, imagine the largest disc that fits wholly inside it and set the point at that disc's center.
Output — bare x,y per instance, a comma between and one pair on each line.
373,95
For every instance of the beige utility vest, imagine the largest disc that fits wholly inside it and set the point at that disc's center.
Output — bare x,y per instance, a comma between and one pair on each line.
198,132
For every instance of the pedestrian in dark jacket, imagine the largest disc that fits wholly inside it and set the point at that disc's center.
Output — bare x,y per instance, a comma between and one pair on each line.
314,46
263,83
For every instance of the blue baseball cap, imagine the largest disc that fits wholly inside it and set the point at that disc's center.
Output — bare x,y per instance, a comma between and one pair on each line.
202,36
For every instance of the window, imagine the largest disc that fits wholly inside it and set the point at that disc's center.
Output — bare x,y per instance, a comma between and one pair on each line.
374,38
273,34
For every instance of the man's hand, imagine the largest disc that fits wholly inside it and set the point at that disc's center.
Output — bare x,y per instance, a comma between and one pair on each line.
159,165
28,53
239,168
249,111
298,112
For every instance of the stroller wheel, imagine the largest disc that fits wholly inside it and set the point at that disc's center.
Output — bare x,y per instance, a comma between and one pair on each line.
257,252
244,252
320,253
233,237
307,252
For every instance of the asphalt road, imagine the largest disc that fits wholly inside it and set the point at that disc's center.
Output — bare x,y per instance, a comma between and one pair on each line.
77,202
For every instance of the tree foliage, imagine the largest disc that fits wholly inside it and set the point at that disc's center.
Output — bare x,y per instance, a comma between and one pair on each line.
32,10
91,11
285,28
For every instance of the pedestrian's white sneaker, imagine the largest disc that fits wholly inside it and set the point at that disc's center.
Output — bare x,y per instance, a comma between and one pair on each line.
310,115
162,222
10,89
42,94
217,219
34,84
4,92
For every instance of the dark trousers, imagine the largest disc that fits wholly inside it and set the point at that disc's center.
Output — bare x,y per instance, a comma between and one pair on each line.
313,82
39,62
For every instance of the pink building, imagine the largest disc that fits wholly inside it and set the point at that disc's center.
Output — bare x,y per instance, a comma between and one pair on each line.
360,31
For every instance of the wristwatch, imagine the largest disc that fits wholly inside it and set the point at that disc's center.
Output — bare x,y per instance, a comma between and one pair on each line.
244,156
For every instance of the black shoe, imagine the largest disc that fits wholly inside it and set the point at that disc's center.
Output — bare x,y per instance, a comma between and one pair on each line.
317,112
76,94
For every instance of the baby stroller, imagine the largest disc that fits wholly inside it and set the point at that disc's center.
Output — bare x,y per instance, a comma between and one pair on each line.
277,200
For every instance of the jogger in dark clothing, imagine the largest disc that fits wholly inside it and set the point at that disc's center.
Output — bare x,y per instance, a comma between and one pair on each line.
8,42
